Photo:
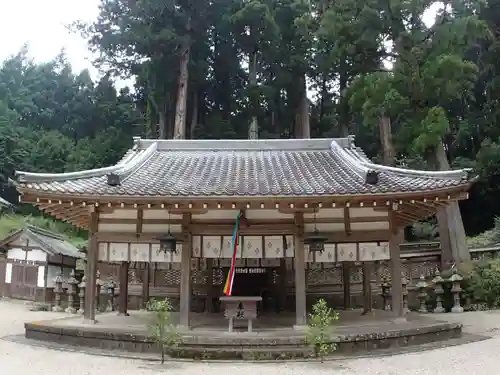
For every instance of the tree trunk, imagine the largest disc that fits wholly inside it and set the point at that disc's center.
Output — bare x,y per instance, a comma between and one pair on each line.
162,121
324,93
180,108
385,130
454,247
343,104
194,116
302,126
386,141
152,124
253,129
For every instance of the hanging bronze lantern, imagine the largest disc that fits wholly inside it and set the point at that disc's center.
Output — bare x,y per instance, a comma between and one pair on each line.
316,240
168,243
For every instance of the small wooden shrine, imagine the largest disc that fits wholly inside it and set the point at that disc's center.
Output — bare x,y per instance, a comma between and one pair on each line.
304,202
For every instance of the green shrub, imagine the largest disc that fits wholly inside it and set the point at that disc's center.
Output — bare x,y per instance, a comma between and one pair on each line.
487,238
320,329
161,328
484,284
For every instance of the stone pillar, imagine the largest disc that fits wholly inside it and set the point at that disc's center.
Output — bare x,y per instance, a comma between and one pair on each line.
145,285
395,253
91,269
346,282
367,288
185,287
123,282
300,273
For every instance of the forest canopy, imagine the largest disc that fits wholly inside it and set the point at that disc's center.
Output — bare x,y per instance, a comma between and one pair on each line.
415,94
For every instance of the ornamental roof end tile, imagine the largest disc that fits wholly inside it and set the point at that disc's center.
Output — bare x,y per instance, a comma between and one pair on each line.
243,168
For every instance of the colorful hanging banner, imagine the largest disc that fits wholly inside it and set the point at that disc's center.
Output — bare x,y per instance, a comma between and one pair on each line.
228,287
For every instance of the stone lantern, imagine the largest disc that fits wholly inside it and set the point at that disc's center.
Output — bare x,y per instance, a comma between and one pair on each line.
404,287
386,293
110,289
72,285
81,294
438,290
422,294
98,285
456,289
58,290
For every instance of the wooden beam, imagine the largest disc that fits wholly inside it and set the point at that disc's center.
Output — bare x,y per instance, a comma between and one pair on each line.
331,237
347,220
294,203
333,220
139,221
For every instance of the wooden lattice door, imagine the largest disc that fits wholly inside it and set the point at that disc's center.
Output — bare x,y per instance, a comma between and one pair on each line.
24,279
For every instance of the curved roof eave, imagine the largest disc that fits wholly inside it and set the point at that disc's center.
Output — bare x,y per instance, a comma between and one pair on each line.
132,160
154,198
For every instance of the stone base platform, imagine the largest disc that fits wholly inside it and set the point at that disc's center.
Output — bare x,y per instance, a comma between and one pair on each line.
273,336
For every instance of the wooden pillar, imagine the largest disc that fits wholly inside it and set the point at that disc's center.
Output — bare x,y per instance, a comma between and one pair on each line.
282,286
90,304
123,296
145,285
346,281
396,269
300,273
3,271
185,287
444,238
209,287
367,287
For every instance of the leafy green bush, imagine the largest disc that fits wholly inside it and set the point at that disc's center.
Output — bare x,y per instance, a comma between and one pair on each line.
484,284
161,328
319,335
487,238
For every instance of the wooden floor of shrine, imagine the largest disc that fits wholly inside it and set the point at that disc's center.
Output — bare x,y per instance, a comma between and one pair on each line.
350,322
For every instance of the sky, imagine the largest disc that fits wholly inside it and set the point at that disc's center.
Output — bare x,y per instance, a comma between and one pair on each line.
42,25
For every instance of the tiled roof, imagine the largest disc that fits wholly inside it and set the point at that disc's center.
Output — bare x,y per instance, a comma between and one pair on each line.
240,168
50,242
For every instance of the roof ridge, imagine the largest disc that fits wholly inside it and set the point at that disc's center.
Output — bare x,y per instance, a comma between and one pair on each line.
141,158
281,144
452,174
361,159
44,232
344,155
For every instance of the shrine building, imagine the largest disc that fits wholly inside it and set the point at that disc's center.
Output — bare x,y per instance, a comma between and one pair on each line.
304,203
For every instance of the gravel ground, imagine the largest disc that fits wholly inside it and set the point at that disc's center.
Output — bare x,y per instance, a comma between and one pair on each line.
481,358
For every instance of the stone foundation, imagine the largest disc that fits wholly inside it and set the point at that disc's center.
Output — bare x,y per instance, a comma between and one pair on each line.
281,343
